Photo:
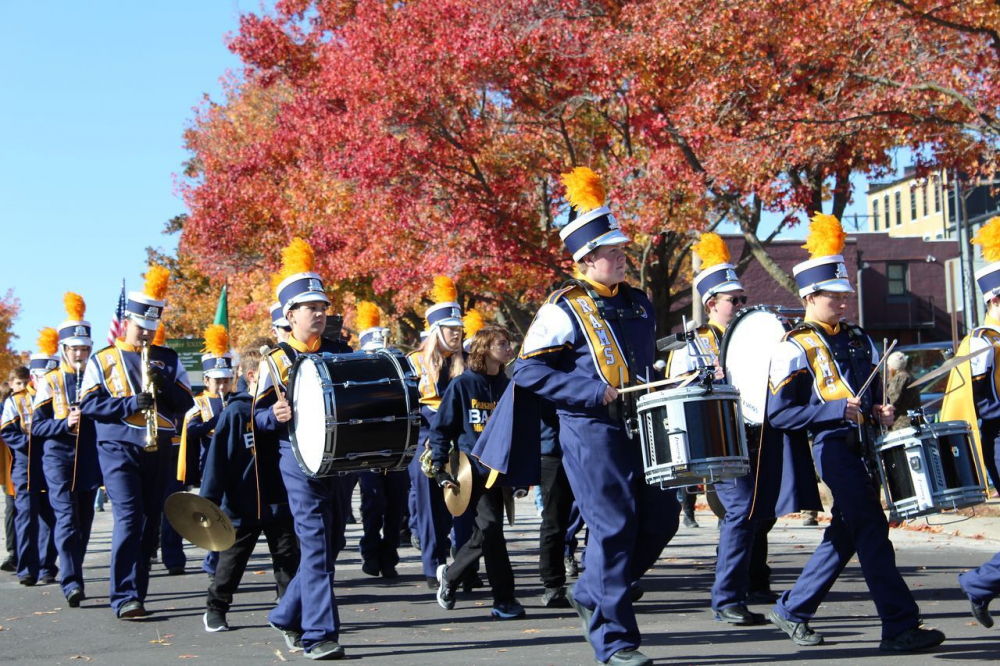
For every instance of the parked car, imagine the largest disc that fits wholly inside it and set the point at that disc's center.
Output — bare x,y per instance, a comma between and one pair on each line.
923,358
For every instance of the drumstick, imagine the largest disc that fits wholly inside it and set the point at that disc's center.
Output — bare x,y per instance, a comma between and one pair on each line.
885,375
871,377
264,351
659,382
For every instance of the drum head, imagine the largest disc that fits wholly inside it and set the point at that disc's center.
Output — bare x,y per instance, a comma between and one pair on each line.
750,342
309,415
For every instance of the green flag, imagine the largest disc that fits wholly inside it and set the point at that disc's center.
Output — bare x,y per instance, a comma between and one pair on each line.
222,311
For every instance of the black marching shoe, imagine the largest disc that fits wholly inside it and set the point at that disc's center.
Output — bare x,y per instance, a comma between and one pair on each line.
74,597
572,567
800,632
738,615
982,613
628,657
689,521
445,593
432,583
584,613
47,579
9,564
132,610
27,581
326,651
389,571
911,640
371,568
215,621
555,597
636,592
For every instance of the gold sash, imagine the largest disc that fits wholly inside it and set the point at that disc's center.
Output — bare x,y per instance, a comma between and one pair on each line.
829,383
57,387
604,348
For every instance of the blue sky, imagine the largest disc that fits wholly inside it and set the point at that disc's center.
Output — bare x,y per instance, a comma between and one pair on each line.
94,99
93,102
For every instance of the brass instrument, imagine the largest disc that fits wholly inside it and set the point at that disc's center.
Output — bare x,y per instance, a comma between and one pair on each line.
152,426
75,405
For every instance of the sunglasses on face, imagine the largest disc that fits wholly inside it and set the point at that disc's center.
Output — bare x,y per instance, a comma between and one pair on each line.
742,300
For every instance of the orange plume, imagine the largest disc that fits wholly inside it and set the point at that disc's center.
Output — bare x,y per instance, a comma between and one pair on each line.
826,236
157,280
584,189
216,340
161,335
368,316
472,322
297,257
712,250
75,307
444,290
48,341
989,240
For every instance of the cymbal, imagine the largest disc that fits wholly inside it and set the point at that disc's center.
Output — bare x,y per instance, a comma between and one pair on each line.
508,505
200,521
457,501
946,367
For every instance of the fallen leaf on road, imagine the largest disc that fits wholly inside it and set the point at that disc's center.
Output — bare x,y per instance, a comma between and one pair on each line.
45,612
281,657
531,631
445,628
503,650
260,573
81,657
480,603
187,656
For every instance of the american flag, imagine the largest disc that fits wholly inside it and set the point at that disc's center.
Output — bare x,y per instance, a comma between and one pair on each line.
117,327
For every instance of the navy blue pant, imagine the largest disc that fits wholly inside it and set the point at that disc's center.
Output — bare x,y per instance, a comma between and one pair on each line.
9,533
383,501
34,523
857,525
982,585
171,543
630,523
429,519
134,481
557,504
749,501
73,511
575,525
309,604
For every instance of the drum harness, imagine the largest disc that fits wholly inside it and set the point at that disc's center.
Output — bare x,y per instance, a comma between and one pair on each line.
859,358
624,408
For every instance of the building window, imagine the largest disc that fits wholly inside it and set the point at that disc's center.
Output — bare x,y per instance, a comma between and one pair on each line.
888,221
896,276
899,208
936,184
913,205
923,199
875,213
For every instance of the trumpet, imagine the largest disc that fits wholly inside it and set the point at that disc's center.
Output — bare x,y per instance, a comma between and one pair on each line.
152,427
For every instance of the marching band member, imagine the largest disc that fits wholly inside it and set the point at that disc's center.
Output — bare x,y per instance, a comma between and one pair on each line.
9,563
280,328
462,414
245,482
135,428
815,373
981,585
172,553
437,362
199,422
589,339
743,532
307,615
34,521
69,462
383,493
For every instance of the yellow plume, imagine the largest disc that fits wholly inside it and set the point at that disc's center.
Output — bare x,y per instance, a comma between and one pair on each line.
584,190
472,322
826,236
444,290
75,307
368,316
157,279
216,339
48,341
297,257
712,250
275,281
161,335
989,238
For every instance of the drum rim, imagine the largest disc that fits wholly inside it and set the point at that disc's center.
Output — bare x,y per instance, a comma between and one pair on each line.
718,392
325,379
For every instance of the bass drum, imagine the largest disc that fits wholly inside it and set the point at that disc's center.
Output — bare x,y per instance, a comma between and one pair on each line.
352,412
746,352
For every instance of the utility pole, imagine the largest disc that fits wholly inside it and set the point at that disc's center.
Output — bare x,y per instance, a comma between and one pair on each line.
968,275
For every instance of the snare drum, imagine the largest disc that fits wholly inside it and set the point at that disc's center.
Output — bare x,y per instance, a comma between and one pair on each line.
352,412
692,436
746,351
930,468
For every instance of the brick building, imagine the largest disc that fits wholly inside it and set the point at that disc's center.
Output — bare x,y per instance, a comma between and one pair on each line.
900,292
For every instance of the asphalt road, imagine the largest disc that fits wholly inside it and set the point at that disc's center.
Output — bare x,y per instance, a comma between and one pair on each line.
399,622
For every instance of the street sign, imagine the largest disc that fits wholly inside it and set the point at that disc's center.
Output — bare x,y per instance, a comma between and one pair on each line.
190,350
